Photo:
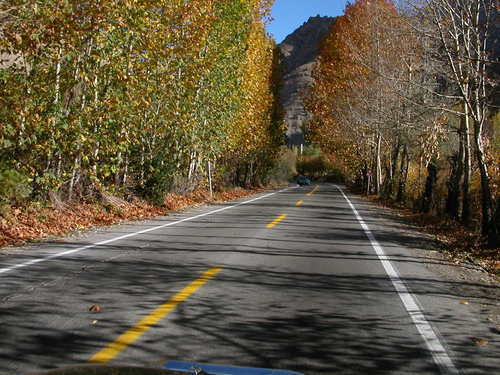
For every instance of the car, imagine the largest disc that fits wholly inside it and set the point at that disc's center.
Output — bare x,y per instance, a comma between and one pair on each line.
170,368
201,369
303,180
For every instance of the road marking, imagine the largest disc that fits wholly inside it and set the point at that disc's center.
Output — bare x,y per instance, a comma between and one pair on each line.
299,203
73,251
276,221
313,190
129,337
436,348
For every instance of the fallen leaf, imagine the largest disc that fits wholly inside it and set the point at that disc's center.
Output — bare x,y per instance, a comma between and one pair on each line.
479,341
33,222
95,308
464,302
94,322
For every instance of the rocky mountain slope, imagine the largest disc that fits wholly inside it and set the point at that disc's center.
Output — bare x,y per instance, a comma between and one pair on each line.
300,50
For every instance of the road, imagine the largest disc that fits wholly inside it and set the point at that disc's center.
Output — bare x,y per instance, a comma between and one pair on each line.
309,279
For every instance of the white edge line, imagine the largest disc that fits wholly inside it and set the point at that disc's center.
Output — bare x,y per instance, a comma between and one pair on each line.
68,252
436,348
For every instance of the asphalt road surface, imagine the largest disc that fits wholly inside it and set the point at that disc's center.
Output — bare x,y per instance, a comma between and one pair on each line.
309,279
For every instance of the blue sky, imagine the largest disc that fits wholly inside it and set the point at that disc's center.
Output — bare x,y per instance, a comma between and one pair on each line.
290,14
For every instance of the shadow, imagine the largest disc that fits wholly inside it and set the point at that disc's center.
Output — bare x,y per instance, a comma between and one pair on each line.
310,297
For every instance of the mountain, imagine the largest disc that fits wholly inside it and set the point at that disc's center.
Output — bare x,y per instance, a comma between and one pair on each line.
299,51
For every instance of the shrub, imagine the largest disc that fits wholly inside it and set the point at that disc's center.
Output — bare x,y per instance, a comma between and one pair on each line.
314,166
14,187
285,167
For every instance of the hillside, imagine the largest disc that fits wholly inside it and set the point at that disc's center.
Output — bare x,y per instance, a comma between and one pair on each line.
299,51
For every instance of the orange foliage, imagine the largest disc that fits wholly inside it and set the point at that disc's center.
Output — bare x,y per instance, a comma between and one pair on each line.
351,101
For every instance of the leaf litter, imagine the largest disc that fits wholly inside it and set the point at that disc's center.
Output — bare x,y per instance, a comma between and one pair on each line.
21,225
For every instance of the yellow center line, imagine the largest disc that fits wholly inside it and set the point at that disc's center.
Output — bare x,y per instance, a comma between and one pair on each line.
128,337
299,203
313,190
276,221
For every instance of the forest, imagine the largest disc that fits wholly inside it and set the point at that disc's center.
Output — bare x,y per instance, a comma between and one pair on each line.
118,100
406,101
131,97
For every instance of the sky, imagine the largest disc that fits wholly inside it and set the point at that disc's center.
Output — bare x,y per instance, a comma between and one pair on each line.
290,14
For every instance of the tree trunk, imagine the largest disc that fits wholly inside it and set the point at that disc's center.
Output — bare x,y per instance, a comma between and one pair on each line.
393,180
192,165
59,164
486,196
403,175
125,171
58,76
452,200
430,184
74,176
142,164
252,174
466,210
378,168
494,233
245,179
118,166
457,170
365,184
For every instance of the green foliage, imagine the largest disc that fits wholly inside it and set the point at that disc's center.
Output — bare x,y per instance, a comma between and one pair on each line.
495,121
311,151
318,166
14,187
47,182
159,181
335,175
135,95
285,167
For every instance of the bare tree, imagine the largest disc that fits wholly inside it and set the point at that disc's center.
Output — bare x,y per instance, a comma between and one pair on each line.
459,33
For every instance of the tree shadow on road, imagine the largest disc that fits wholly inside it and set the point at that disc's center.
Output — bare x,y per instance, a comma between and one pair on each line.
259,315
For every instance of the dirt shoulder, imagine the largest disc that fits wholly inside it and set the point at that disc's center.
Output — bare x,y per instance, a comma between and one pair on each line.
457,243
37,222
473,277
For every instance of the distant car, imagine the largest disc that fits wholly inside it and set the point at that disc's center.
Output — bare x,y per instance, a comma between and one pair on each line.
302,180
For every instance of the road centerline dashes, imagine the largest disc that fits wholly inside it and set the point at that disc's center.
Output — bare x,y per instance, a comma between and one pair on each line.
273,223
130,235
135,332
313,191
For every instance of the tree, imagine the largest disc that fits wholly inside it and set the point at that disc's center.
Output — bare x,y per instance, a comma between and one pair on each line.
123,96
362,90
461,32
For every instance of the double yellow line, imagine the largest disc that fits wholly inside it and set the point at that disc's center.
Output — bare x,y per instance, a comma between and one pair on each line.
129,337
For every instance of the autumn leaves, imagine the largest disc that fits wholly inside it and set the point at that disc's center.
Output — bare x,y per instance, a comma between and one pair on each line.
136,96
403,100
